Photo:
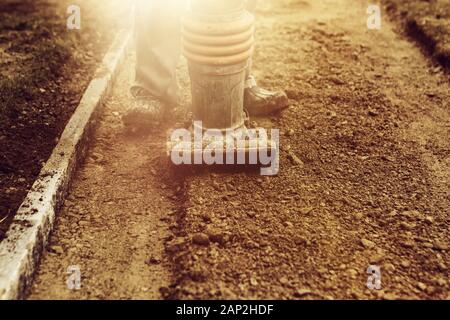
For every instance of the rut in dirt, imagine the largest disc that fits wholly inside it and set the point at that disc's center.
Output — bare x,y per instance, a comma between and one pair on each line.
117,216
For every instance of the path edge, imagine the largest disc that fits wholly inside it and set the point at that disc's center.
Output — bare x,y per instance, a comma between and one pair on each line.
29,232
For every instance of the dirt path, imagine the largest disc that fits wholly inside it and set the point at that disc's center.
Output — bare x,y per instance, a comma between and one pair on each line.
116,217
370,124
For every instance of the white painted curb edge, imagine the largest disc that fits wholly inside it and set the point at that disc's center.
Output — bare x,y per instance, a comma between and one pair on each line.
28,234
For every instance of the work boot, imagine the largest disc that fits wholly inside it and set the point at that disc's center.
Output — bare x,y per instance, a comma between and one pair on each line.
261,102
145,112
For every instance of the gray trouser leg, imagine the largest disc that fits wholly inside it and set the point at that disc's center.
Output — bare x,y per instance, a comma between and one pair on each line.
158,45
158,51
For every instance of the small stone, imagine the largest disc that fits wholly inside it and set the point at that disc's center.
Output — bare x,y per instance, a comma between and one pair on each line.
442,266
352,273
367,243
175,245
299,240
57,249
217,237
429,219
407,244
377,258
253,281
336,80
439,245
285,148
441,282
293,93
430,290
407,226
332,114
428,245
288,224
359,216
405,263
289,133
422,286
201,239
389,296
198,274
309,125
97,157
302,292
393,213
294,159
411,214
153,261
388,158
389,267
284,280
306,210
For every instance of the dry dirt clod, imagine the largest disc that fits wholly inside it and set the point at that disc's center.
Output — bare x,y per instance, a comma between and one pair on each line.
389,267
289,132
440,245
408,244
299,293
359,215
405,263
253,281
352,273
57,249
217,237
201,239
367,243
175,245
295,159
422,286
153,260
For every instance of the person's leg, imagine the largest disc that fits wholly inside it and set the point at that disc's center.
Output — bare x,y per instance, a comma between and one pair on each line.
157,48
157,35
258,101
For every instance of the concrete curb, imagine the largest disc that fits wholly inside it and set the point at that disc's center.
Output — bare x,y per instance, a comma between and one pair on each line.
28,234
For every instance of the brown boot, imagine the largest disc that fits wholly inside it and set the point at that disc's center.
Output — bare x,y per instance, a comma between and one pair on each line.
145,112
261,102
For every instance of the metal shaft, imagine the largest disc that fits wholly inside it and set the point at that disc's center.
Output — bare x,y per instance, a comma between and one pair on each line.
218,43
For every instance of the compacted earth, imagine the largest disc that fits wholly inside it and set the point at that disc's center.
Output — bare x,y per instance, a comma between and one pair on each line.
364,181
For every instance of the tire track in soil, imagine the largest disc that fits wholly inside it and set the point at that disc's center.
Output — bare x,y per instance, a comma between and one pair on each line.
117,216
369,123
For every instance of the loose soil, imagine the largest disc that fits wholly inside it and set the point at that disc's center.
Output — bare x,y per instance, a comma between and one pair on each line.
120,211
370,125
364,180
